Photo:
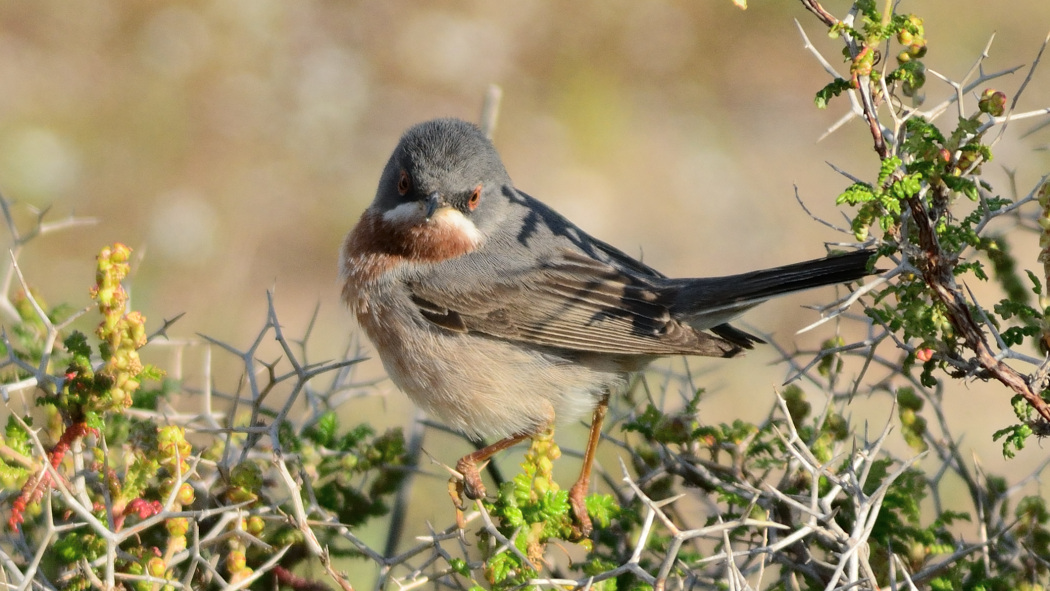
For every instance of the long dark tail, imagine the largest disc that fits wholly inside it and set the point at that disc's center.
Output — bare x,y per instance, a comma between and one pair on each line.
710,302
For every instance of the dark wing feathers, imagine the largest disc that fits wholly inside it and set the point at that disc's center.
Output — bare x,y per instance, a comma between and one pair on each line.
579,303
575,303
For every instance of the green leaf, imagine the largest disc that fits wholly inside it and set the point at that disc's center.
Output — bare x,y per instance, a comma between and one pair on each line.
138,477
887,168
906,188
832,90
95,420
867,8
459,566
77,345
355,436
152,372
500,566
602,508
1013,438
645,423
962,185
1037,286
855,194
1015,335
16,437
798,407
967,126
921,131
323,432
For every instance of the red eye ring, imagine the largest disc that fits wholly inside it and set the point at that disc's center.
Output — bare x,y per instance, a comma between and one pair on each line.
475,198
404,183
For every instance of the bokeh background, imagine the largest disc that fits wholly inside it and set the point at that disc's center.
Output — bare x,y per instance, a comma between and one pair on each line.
234,143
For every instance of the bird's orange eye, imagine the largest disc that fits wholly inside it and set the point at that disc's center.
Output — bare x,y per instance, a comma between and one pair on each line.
475,198
404,183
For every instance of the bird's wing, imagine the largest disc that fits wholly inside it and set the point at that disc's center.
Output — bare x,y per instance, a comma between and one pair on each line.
570,301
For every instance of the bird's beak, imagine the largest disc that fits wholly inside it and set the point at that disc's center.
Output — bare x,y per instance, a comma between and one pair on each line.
433,202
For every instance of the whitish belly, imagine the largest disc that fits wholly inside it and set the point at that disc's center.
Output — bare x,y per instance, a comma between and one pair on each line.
486,387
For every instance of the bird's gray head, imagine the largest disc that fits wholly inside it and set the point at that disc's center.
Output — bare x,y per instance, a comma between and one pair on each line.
444,171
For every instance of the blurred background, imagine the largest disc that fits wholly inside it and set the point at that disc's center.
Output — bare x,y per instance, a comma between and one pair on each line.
233,144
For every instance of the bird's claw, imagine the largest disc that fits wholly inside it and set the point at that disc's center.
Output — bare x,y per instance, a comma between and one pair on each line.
455,492
471,485
465,485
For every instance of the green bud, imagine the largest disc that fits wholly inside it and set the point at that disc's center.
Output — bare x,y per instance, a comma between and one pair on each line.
185,495
156,567
915,24
177,526
255,525
236,562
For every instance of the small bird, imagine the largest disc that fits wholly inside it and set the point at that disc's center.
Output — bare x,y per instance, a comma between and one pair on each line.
499,316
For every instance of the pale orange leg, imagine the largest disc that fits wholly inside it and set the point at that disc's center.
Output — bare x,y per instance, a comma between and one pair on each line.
579,490
472,487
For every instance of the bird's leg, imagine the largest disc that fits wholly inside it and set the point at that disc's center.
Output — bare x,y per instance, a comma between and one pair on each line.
579,490
471,485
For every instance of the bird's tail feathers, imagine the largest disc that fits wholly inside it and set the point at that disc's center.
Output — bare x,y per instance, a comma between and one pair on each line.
709,302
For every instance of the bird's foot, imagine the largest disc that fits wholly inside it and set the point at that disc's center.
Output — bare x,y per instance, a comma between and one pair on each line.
582,527
465,485
468,485
473,488
455,492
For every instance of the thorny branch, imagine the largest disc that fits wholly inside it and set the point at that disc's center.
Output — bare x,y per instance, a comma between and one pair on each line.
931,260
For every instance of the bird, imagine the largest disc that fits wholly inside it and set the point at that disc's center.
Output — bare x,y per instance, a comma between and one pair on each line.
500,316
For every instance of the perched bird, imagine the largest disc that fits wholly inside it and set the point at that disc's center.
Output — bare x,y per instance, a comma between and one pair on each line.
499,316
